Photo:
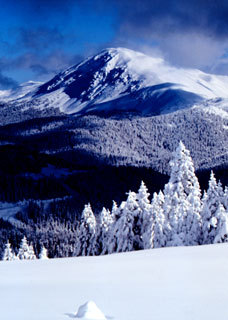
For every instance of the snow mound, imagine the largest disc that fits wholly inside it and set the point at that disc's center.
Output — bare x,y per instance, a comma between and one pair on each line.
89,310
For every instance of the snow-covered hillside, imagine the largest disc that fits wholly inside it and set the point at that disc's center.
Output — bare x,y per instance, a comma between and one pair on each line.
120,80
23,91
174,283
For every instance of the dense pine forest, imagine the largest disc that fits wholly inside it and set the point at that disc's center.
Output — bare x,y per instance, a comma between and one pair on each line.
180,215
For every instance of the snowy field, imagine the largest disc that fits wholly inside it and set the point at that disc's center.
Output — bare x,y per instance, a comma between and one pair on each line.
172,283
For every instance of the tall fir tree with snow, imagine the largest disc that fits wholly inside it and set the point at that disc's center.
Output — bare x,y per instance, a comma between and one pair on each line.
144,215
220,225
32,255
43,253
192,219
125,233
225,198
155,236
104,231
26,252
211,201
86,233
8,254
112,240
182,200
115,213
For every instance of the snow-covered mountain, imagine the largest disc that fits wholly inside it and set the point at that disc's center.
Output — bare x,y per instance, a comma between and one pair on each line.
121,80
23,91
189,105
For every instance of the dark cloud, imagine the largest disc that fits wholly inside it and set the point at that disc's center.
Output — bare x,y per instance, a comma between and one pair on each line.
42,50
175,16
52,63
37,39
188,33
40,38
7,82
40,65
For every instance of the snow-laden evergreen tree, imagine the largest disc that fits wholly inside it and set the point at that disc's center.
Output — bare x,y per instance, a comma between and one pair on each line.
104,231
43,253
220,223
225,198
32,255
115,211
112,238
86,233
125,237
8,254
155,236
26,252
143,198
182,202
144,215
193,220
160,225
211,201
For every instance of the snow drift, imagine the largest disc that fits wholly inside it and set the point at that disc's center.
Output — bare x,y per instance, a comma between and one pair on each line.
89,310
172,283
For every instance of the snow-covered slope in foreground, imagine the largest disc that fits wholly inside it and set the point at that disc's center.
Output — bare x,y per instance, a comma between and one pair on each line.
172,283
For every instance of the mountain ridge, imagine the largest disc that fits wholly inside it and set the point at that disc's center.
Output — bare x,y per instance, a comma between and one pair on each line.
120,80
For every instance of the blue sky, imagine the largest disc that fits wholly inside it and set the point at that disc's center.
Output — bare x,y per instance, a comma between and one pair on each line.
38,38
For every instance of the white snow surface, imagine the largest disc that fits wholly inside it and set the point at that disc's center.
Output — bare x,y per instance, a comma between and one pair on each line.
171,283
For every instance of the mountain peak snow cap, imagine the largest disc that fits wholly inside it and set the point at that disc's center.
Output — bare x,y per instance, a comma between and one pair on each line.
134,60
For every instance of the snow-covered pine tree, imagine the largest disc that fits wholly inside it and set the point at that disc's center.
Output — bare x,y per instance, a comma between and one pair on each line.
155,236
86,233
148,235
210,204
182,200
220,222
25,252
32,255
43,253
192,220
8,254
125,235
112,239
225,198
115,211
103,231
144,214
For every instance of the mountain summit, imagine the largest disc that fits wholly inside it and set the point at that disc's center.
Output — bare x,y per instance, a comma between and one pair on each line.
122,80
